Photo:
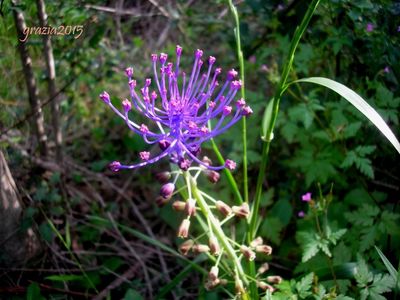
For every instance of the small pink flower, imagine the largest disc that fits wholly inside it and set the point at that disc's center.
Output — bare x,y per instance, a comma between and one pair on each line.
265,68
386,69
306,197
144,155
369,27
301,214
230,164
252,59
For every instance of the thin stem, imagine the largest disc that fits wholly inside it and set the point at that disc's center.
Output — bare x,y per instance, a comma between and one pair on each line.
275,108
244,126
215,225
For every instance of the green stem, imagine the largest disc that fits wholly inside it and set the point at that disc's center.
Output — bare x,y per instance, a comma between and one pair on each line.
275,108
215,225
244,126
228,174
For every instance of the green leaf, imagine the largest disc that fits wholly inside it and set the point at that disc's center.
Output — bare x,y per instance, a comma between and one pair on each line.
33,292
358,103
266,122
303,287
65,277
309,244
335,236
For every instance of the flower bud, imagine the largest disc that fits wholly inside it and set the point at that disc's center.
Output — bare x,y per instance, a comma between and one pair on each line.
256,242
167,190
247,111
263,268
126,105
230,164
241,211
190,207
213,274
105,97
183,230
163,177
185,247
115,166
265,286
214,245
274,279
223,208
248,253
212,176
161,201
163,144
178,50
129,72
209,285
265,249
201,248
179,205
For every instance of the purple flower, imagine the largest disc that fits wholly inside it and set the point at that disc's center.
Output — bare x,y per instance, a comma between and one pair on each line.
301,214
398,29
386,69
369,27
179,109
306,197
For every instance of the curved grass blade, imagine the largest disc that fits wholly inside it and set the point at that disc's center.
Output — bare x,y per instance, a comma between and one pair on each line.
392,271
358,103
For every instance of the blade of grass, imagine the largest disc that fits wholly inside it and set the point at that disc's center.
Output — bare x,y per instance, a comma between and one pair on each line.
392,271
358,102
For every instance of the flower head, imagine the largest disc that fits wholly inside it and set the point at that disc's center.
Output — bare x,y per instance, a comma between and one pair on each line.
306,197
179,106
369,27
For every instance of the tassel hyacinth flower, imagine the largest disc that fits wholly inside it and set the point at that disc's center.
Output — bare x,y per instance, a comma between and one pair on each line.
180,108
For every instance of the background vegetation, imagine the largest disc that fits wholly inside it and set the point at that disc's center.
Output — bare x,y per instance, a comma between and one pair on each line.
102,233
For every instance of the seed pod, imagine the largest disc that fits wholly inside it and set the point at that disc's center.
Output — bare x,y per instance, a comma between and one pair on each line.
183,230
212,176
274,279
201,248
179,205
263,268
248,253
209,285
265,286
214,245
241,211
185,247
267,250
213,274
190,207
256,242
223,208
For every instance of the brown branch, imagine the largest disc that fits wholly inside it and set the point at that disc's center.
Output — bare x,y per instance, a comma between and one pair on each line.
33,92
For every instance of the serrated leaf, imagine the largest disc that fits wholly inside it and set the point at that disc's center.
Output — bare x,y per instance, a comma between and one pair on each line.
303,287
309,243
335,236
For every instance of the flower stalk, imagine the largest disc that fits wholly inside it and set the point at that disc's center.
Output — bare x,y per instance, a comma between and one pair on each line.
215,226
